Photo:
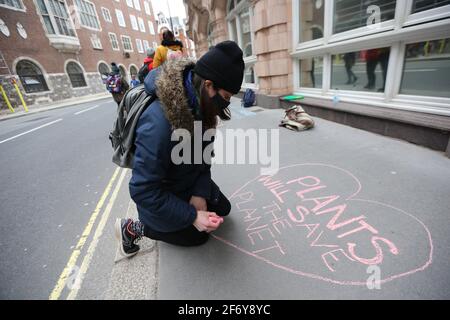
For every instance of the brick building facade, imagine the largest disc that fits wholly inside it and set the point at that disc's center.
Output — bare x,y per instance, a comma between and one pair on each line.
57,49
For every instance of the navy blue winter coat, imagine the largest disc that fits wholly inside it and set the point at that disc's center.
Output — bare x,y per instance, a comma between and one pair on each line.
160,188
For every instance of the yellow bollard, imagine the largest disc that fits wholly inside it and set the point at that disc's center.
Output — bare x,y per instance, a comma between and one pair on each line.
20,94
5,97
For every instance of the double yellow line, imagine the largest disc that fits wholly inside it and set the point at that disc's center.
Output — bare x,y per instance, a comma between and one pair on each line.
71,264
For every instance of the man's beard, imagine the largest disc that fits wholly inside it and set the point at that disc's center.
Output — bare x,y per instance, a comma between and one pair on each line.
210,111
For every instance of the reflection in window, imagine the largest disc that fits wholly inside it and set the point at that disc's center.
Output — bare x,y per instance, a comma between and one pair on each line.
427,68
422,5
311,19
352,14
76,75
360,71
245,34
133,70
311,72
31,77
249,75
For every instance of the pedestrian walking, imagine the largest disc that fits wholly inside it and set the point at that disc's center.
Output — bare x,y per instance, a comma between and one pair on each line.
134,82
115,84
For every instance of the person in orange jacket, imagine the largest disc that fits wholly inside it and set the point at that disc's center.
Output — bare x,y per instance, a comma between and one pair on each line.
168,43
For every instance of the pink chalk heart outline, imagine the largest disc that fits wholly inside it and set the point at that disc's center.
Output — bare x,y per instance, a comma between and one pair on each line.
348,185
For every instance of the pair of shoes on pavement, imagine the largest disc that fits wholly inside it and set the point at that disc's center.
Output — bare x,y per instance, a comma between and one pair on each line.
297,119
126,237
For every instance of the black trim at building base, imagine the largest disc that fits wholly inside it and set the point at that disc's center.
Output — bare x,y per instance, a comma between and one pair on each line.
431,131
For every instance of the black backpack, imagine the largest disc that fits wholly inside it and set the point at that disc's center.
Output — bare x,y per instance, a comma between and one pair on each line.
143,71
122,135
249,98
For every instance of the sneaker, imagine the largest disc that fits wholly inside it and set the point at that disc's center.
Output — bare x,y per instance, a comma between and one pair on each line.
126,237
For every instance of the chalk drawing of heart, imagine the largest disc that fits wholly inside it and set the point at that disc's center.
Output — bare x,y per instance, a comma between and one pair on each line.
306,220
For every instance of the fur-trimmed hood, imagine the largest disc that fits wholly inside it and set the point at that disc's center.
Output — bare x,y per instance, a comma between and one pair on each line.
167,82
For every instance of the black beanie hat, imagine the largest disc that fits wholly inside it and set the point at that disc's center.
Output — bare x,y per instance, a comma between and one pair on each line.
223,64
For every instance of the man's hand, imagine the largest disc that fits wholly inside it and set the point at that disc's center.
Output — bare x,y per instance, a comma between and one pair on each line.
199,203
207,221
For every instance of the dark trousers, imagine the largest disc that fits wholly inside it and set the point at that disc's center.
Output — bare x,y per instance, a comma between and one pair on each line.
191,236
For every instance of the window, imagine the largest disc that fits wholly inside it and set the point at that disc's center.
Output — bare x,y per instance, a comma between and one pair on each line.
240,25
134,23
311,72
133,70
126,43
56,18
311,20
240,29
353,14
15,4
151,27
103,68
364,70
426,69
120,18
31,77
114,42
96,43
423,5
249,75
141,24
147,8
155,45
130,3
146,45
87,14
139,46
137,5
106,15
76,75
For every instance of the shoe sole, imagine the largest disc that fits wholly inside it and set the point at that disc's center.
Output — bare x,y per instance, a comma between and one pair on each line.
118,233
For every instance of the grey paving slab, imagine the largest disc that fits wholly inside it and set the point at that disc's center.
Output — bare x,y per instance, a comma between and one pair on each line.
347,208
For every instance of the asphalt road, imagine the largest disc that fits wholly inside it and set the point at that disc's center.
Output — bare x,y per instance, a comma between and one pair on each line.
55,167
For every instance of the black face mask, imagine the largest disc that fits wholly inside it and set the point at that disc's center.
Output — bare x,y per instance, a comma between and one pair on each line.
220,102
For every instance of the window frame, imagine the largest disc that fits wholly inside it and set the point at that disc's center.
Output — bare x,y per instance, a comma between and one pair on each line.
94,41
41,76
115,39
138,6
424,16
233,18
105,17
147,8
119,13
83,73
139,46
80,12
134,22
151,27
123,44
53,22
402,34
141,24
23,9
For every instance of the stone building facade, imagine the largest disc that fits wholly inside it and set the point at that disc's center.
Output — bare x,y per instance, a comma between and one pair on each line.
379,65
58,49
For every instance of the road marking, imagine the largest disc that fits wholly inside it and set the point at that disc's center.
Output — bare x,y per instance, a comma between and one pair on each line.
23,133
88,109
56,293
98,233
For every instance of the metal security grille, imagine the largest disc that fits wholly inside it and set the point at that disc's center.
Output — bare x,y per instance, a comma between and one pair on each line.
76,75
31,77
